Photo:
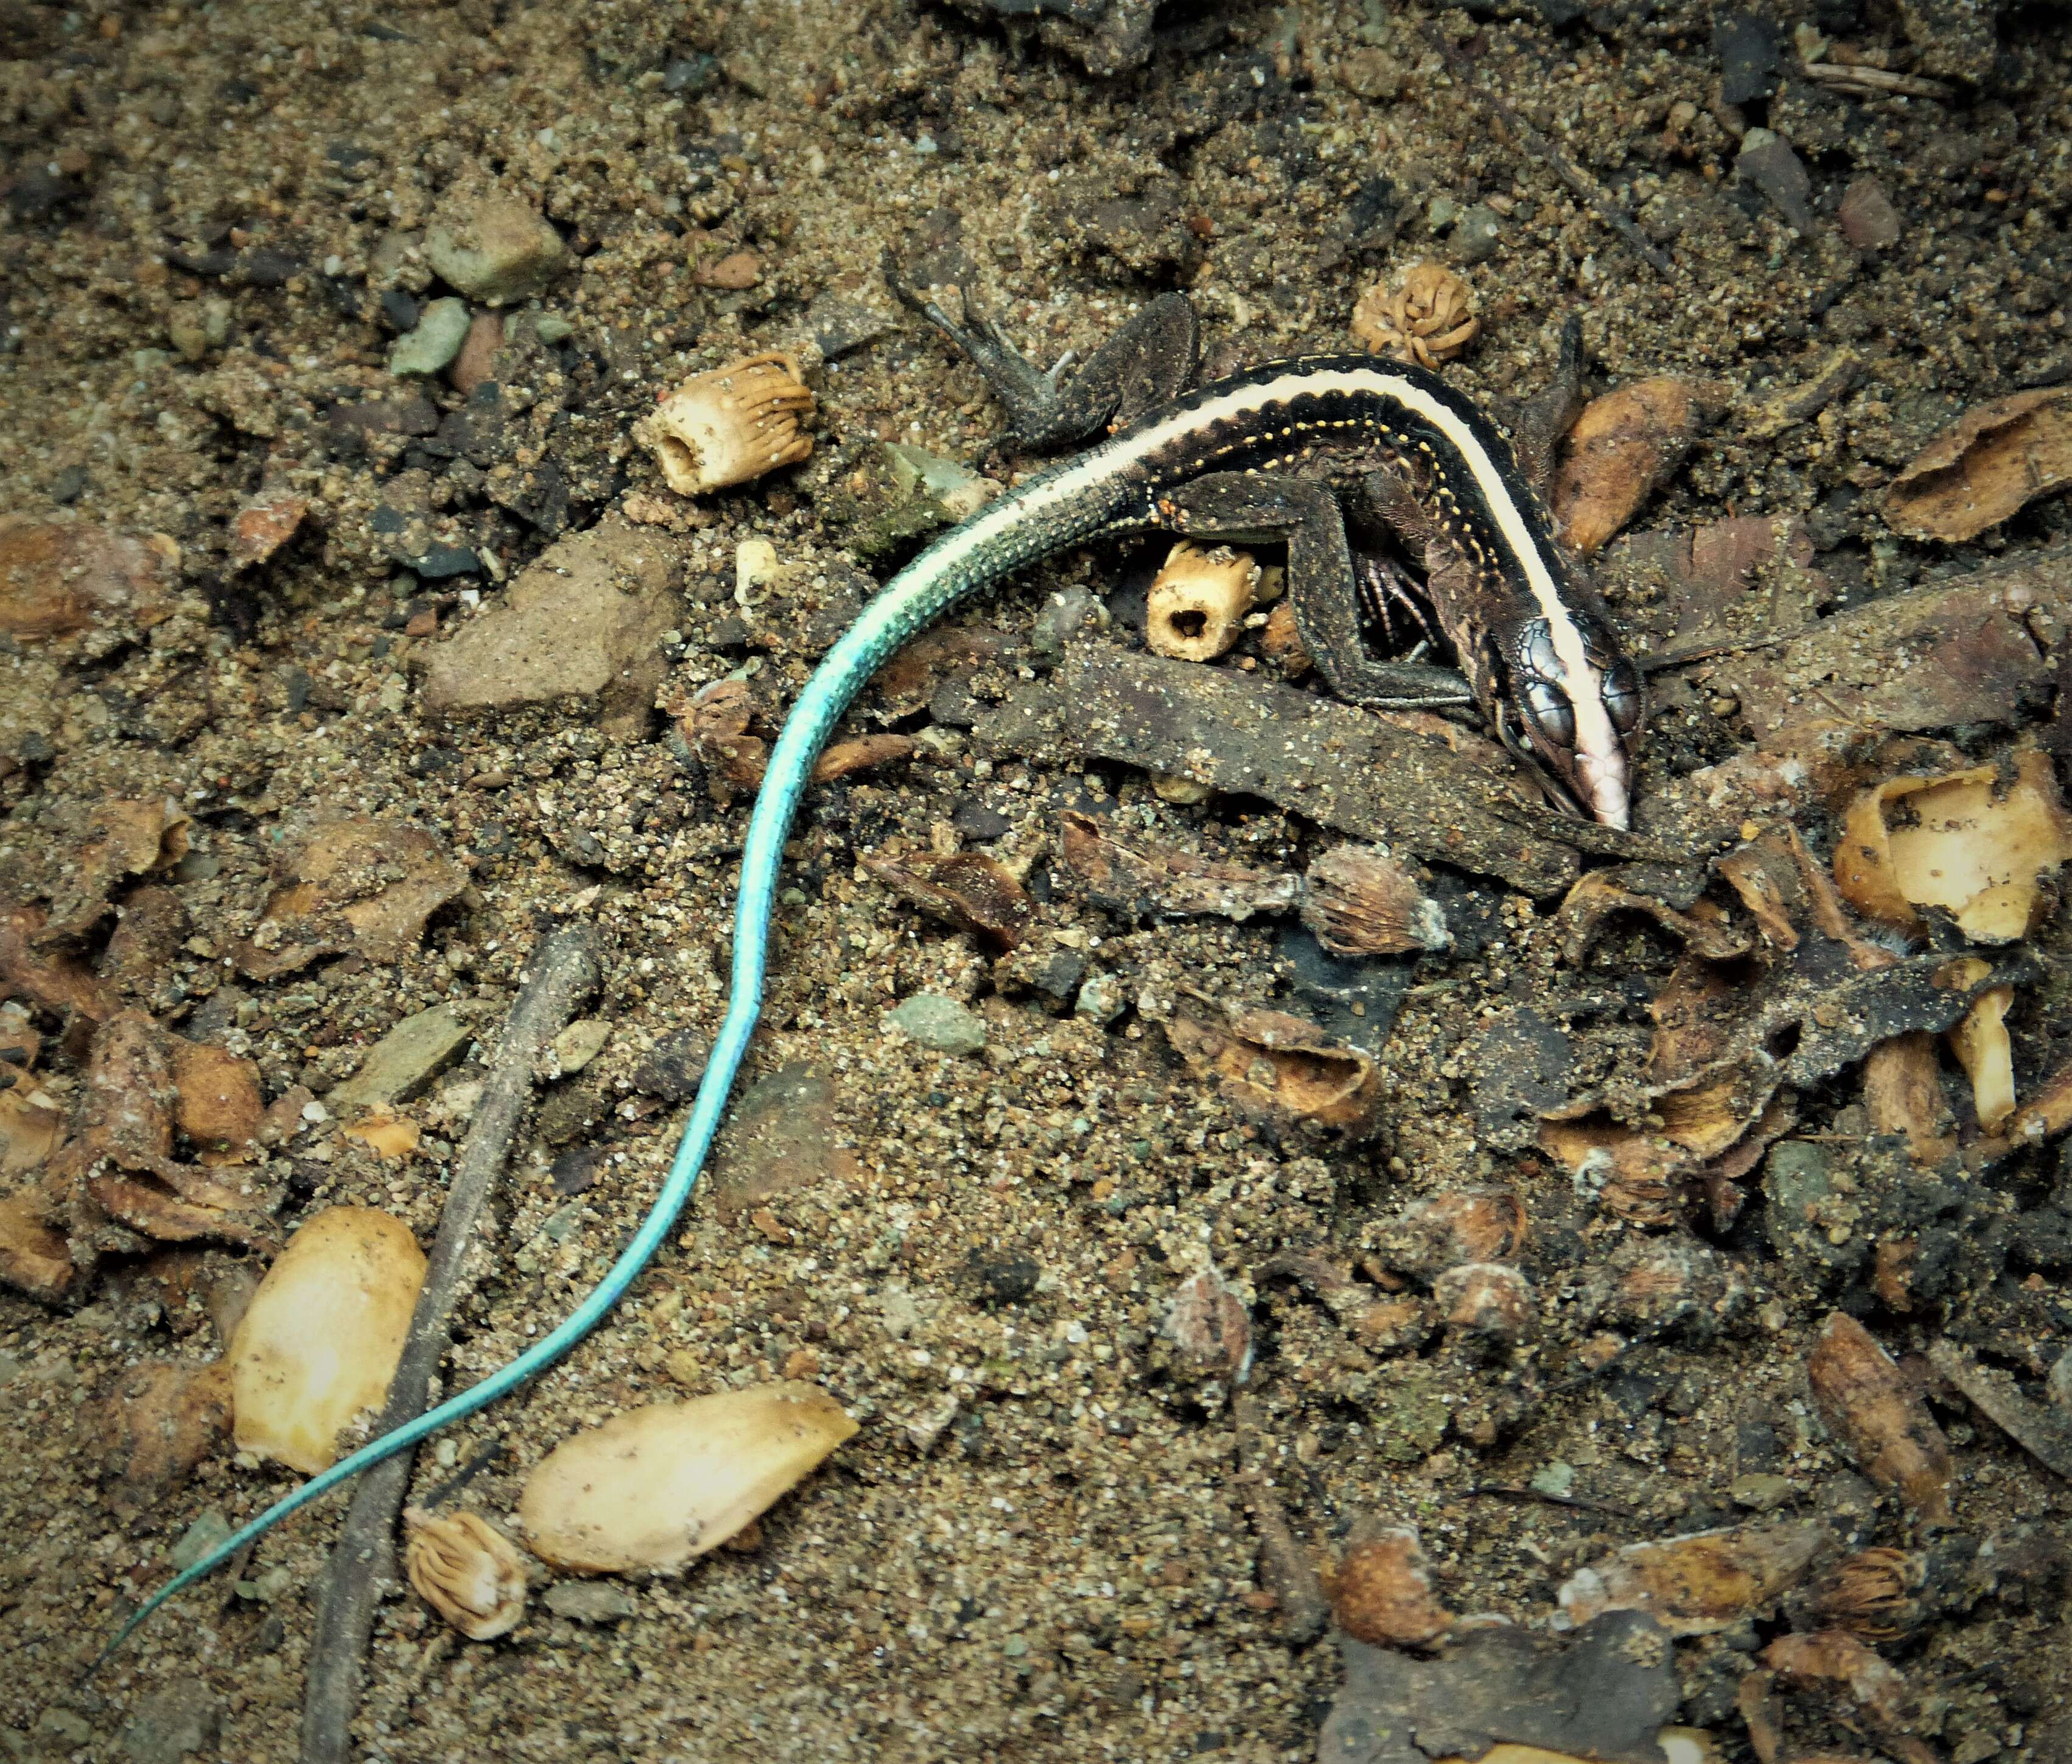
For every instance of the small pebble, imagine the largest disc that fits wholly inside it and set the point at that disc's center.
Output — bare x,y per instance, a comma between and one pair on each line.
198,1540
581,1042
939,1023
1867,219
1103,998
1766,160
591,1602
441,329
1478,234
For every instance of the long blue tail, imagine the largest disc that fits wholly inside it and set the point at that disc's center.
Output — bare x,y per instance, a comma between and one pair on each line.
994,542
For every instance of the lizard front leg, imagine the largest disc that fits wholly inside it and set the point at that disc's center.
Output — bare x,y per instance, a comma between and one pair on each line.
1147,363
1323,588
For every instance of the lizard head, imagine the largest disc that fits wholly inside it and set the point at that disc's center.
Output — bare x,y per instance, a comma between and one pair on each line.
1572,701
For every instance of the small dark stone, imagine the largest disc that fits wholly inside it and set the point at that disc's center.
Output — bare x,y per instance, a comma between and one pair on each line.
1746,46
237,92
1059,977
347,156
399,309
690,76
442,561
576,1172
492,839
1003,1280
298,688
730,631
265,267
975,820
1370,216
209,264
70,485
672,1067
39,192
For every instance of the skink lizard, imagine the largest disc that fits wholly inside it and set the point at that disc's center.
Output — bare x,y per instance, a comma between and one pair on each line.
1266,455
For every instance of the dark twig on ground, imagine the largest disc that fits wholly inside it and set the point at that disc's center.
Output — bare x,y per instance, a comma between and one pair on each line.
565,970
1535,140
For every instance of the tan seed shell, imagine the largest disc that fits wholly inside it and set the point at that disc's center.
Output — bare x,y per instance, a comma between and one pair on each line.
730,425
466,1571
1198,600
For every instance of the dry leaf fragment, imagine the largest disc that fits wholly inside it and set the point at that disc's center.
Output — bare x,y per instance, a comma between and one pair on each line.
1133,877
388,1135
264,524
1278,1070
1622,448
862,753
162,1420
1700,1583
716,723
122,838
56,982
2044,1433
217,1105
361,885
33,1258
1979,1040
1835,1659
1986,465
1598,894
973,892
1359,901
32,1128
466,1570
1984,843
1880,1417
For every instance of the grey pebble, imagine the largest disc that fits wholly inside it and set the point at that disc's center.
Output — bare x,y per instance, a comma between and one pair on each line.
1478,234
441,329
591,1602
939,1023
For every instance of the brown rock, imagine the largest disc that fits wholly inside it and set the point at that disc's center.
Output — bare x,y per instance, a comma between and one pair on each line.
59,578
583,624
478,351
734,271
1868,220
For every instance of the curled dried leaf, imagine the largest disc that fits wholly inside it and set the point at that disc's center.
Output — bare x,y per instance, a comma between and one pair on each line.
1360,901
466,1570
730,425
1598,895
1199,599
717,723
1700,1583
1986,465
1137,877
361,885
1984,843
973,892
1279,1070
1428,317
1877,1414
864,754
1979,1040
122,838
1622,448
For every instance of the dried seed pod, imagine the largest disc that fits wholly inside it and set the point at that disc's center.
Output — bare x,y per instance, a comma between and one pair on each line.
1980,1041
1427,319
1462,1225
467,1571
1982,844
1868,1401
1875,1593
971,890
318,1343
1198,600
656,1487
1279,1070
1359,901
1490,1301
730,425
1623,447
1382,1592
1700,1583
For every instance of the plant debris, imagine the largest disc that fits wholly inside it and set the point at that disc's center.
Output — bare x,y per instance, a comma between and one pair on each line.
1984,466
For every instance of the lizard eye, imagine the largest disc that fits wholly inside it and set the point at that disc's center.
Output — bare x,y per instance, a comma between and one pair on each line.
1548,709
1623,696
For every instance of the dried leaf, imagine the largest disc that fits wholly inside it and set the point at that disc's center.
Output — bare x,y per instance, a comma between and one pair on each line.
1878,1415
1278,1070
1985,466
57,983
32,1128
1136,877
1903,1094
1622,447
1984,843
973,892
1598,894
218,1105
121,839
1700,1583
360,885
863,754
33,1258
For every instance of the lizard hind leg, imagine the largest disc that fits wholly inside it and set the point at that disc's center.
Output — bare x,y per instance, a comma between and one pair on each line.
1323,587
1147,363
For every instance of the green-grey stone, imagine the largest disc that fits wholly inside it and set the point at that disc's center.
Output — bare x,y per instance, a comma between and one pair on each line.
199,1539
405,1060
591,1602
441,329
940,1023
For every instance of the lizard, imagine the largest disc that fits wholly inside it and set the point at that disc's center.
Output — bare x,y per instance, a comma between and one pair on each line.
1264,455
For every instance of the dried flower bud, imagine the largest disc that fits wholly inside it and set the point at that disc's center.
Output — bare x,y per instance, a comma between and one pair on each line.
1382,1592
1198,600
1874,1594
730,425
1427,319
1360,901
466,1571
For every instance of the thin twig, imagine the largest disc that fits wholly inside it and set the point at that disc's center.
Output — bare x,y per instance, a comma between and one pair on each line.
1588,190
565,971
1684,658
1285,1567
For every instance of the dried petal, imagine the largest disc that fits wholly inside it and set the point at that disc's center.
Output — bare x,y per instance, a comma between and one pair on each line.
467,1571
318,1343
1359,901
731,424
1198,600
656,1487
1981,843
1878,1415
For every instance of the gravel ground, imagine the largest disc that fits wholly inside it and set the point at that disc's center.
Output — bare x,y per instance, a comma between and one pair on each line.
1038,1546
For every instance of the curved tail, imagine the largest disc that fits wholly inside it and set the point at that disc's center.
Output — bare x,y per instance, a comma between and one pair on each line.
995,541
